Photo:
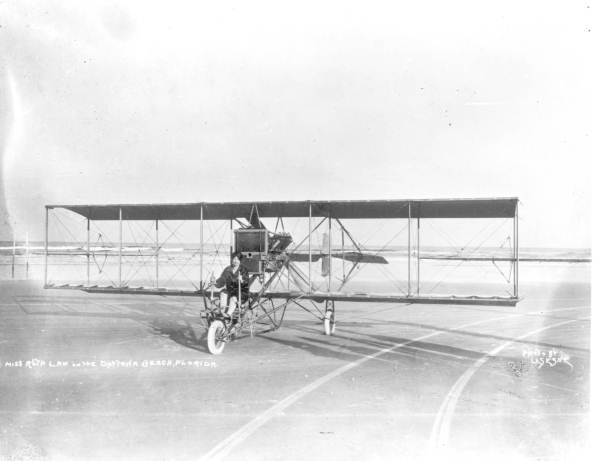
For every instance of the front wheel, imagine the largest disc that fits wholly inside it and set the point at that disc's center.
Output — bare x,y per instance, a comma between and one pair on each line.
216,337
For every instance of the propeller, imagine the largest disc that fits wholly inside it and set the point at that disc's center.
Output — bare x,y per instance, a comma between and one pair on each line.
326,261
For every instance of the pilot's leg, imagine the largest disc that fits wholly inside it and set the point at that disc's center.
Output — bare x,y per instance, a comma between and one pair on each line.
223,300
232,303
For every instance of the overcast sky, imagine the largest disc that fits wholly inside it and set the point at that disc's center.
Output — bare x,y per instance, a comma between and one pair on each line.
126,102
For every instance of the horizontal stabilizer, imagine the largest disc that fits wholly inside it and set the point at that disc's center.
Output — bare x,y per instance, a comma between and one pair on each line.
512,259
304,257
354,256
350,256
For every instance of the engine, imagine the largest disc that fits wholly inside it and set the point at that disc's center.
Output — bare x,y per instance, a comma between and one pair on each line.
262,251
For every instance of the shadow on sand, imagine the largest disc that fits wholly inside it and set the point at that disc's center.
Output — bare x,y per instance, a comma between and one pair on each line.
183,325
180,324
361,344
182,332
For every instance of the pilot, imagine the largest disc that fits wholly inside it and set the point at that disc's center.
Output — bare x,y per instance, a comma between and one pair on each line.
233,278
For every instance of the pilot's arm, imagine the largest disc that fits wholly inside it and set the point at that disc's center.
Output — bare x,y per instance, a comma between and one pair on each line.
244,275
222,280
245,279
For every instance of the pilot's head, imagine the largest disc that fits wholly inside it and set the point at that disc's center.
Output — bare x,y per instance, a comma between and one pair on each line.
236,258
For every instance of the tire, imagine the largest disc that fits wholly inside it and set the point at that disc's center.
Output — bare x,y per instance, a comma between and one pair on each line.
329,323
214,335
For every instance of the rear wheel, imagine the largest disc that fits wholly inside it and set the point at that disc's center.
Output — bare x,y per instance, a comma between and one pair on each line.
329,320
216,337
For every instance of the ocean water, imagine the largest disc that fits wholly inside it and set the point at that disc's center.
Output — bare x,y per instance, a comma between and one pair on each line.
179,268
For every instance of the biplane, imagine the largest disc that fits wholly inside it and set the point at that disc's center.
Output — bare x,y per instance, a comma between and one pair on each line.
312,270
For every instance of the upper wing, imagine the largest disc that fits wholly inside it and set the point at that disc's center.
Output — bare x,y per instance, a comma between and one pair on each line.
349,209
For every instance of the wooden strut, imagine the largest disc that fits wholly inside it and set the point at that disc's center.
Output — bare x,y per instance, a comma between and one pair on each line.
120,243
418,256
309,247
409,247
156,251
201,247
45,251
230,238
516,250
343,258
329,265
87,255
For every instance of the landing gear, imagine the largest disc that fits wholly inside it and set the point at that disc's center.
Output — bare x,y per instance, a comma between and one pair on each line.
329,320
216,337
223,328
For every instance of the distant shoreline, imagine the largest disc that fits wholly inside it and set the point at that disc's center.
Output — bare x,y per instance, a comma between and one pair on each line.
526,254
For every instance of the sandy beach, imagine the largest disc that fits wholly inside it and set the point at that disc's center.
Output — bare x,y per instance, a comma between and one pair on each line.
91,376
423,165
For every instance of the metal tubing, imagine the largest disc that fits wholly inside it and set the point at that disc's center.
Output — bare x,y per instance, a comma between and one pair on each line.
409,261
88,252
516,250
239,300
120,243
418,255
201,246
156,252
309,247
329,256
230,238
46,250
343,259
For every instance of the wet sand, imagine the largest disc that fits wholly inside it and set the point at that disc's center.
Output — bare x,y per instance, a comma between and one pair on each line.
395,382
